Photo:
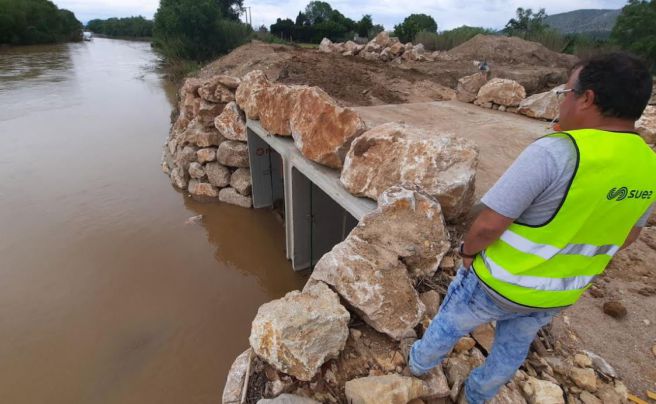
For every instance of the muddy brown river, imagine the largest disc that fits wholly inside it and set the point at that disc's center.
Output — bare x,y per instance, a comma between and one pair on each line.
106,295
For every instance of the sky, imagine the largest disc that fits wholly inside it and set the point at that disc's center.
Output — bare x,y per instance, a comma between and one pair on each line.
448,13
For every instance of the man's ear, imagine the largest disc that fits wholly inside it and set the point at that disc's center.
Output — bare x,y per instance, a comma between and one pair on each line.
587,99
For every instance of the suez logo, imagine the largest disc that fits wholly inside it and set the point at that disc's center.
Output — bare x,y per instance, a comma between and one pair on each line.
620,194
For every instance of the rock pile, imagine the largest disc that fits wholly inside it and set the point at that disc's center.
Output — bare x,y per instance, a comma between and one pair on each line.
206,152
383,48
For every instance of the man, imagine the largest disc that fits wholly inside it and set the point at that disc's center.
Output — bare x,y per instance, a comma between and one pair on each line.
551,223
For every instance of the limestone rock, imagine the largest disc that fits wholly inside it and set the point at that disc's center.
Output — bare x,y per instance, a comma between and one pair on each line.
468,87
484,335
276,104
231,83
600,365
207,112
457,370
589,398
582,361
287,399
431,300
508,395
615,309
435,384
233,154
249,89
202,190
299,332
231,123
353,47
382,39
213,90
197,134
608,395
190,87
196,170
388,389
375,283
217,175
419,49
322,130
646,125
206,155
234,385
394,153
178,178
232,197
326,46
542,106
408,46
542,392
464,344
370,56
501,91
584,378
241,181
185,157
397,49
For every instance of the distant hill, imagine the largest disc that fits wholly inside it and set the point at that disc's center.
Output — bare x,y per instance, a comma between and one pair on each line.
593,22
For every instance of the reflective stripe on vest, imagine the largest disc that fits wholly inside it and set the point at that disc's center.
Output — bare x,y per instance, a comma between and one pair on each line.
552,264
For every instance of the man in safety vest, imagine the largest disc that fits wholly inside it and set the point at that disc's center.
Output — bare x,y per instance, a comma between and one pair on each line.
551,223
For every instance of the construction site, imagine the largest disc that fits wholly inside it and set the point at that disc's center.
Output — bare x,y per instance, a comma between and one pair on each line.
375,157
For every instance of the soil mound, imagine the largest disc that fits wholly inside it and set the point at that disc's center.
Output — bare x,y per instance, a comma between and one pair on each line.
503,49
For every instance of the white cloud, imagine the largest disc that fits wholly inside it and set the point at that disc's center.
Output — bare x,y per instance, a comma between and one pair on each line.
448,13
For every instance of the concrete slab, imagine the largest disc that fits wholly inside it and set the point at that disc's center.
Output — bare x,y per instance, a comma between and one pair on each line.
501,136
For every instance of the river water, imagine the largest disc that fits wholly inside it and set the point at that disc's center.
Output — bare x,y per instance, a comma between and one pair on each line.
106,295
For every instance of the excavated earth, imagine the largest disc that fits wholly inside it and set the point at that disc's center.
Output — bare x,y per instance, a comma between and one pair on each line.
629,343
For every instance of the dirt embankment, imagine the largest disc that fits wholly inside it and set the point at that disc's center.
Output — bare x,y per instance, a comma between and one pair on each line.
354,81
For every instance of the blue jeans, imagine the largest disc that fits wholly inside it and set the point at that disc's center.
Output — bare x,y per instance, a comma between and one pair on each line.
465,307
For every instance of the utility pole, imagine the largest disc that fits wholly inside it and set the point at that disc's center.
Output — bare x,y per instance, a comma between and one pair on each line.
248,16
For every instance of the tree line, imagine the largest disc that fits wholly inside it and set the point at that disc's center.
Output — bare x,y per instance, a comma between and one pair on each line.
27,22
130,27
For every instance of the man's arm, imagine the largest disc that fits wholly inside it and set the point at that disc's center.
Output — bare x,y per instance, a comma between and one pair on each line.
486,229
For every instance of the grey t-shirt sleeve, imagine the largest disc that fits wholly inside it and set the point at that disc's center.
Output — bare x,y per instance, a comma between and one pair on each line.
643,220
529,175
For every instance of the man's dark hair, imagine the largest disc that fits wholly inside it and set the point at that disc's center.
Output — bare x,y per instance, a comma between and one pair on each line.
621,83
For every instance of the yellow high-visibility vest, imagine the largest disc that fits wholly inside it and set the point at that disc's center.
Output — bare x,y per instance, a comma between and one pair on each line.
552,264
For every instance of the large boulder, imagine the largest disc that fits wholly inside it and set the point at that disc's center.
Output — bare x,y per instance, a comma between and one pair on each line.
234,386
231,123
203,191
468,87
326,46
213,90
247,94
241,181
408,223
501,91
199,135
217,174
542,106
353,47
646,125
276,103
232,197
383,39
395,153
375,283
207,112
232,153
388,389
397,49
299,332
322,130
190,87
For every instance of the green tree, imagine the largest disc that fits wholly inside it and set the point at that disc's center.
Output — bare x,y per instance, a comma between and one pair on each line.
135,27
318,11
412,25
526,23
24,22
635,29
198,30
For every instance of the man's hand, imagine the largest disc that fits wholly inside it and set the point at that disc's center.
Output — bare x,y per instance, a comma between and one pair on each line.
487,228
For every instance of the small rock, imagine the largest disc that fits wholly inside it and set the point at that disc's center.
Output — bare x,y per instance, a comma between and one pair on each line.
608,395
542,392
241,181
233,154
435,384
388,389
231,123
206,155
600,365
464,344
232,197
194,219
589,398
508,394
484,335
232,390
287,399
196,170
584,378
582,361
355,333
217,175
615,309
